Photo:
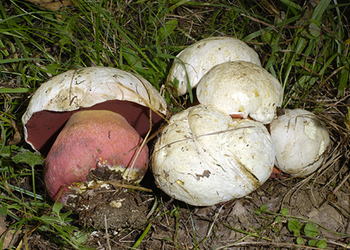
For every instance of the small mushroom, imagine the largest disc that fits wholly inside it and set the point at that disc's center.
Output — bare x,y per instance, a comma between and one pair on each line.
201,56
111,105
301,141
204,157
240,89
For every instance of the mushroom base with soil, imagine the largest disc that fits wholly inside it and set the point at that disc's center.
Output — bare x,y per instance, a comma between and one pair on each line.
101,203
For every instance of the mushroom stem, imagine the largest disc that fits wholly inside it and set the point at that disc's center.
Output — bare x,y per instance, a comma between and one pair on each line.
89,139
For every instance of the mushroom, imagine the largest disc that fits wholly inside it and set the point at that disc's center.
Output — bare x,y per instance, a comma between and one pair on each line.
301,141
109,104
201,56
240,89
204,157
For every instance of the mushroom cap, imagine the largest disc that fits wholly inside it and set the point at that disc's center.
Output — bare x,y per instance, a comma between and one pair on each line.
300,140
204,157
241,88
92,88
201,56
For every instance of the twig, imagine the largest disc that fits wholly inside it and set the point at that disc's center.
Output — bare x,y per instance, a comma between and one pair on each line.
107,236
121,185
289,245
341,184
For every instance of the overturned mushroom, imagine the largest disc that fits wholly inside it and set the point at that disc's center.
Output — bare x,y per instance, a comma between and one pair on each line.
240,89
301,141
204,157
201,56
108,111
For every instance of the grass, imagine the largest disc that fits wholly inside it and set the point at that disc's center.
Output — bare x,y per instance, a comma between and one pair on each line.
305,47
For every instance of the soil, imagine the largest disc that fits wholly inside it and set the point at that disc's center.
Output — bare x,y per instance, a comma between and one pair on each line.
105,204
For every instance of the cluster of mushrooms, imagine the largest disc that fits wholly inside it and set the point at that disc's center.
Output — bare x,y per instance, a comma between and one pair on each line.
223,148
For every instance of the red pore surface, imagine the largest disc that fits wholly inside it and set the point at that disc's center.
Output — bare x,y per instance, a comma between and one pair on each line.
92,138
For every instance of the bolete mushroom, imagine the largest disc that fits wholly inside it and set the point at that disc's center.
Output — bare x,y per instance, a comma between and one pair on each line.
201,56
240,89
204,157
301,141
108,111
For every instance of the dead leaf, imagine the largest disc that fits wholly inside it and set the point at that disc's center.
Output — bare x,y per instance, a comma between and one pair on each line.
51,4
17,137
347,120
8,236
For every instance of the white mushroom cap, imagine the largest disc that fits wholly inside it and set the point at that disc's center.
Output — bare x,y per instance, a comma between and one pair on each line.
201,56
90,88
300,140
204,157
241,88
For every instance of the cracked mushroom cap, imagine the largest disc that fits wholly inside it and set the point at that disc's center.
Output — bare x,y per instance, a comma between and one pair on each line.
92,88
204,157
300,140
201,56
241,88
